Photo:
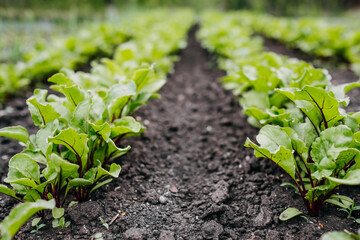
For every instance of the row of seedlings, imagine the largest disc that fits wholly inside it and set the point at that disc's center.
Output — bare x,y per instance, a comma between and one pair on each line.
334,38
80,132
304,129
72,51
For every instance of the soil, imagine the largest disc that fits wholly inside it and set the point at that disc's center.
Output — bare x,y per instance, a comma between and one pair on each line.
188,176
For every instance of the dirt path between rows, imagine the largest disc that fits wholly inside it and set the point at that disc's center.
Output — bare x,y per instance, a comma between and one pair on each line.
189,176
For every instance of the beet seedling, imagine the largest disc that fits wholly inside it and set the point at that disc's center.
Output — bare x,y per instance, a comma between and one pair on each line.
318,154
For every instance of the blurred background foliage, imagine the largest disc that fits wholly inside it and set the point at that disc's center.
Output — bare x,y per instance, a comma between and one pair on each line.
81,8
25,23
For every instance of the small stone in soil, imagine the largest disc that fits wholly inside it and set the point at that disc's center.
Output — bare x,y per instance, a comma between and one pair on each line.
221,192
163,200
173,188
212,230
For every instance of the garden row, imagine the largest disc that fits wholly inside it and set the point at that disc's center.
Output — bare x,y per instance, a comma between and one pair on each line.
304,128
82,126
337,38
71,52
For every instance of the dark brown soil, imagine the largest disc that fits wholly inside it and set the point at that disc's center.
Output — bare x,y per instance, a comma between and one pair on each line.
188,176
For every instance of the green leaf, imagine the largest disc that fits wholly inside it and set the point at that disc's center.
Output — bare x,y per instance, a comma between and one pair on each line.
140,78
20,214
60,79
286,184
36,156
114,171
103,130
35,221
75,142
77,182
255,99
289,213
73,94
5,190
118,96
43,135
32,196
26,166
319,106
352,177
114,152
288,92
314,193
281,156
272,137
42,114
58,212
337,236
66,168
330,149
18,133
81,116
340,201
126,125
341,90
100,184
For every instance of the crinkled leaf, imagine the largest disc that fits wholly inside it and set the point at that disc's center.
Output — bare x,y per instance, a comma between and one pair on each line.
272,137
318,105
332,143
114,152
314,193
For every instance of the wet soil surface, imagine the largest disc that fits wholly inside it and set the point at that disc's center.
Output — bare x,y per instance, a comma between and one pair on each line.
188,176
